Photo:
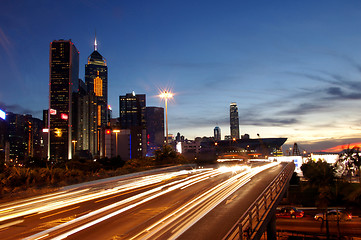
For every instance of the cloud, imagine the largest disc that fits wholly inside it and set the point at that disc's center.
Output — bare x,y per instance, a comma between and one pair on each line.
338,93
15,108
302,109
329,145
274,122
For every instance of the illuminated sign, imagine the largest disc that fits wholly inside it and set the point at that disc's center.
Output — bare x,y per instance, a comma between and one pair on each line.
64,116
58,132
2,114
45,130
52,112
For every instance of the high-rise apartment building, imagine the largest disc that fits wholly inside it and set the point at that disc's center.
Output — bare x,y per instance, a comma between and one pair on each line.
154,118
217,133
234,121
132,116
63,84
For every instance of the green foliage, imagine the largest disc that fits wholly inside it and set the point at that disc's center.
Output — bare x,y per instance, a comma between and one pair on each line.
167,155
37,173
321,176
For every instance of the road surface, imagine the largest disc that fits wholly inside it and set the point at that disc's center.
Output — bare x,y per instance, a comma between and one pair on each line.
198,204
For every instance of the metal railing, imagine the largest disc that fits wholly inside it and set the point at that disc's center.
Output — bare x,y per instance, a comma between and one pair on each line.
248,226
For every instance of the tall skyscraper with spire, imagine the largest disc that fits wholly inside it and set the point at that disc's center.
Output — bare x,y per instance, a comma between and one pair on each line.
63,85
96,81
234,121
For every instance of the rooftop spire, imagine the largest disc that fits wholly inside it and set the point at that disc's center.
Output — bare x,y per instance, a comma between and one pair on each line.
95,42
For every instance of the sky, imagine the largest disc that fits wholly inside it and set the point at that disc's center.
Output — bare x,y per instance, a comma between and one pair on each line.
292,67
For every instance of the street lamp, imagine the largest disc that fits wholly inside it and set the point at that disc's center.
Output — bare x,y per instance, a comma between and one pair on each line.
166,95
74,142
116,141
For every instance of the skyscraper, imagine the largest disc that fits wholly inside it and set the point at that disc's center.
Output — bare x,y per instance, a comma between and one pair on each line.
132,116
96,80
63,84
234,121
95,103
217,133
154,117
132,110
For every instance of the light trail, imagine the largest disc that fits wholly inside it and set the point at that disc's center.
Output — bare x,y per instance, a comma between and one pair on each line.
211,194
63,199
205,202
158,191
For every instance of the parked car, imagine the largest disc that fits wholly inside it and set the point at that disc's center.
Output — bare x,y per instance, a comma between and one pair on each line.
289,212
334,215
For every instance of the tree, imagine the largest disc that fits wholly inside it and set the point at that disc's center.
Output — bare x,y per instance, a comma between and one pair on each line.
167,155
321,175
350,162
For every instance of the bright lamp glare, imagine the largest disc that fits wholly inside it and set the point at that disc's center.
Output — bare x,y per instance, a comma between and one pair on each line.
166,94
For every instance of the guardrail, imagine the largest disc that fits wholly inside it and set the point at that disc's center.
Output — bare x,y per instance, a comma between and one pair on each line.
249,225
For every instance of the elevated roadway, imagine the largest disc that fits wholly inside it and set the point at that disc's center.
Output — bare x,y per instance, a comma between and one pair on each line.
184,204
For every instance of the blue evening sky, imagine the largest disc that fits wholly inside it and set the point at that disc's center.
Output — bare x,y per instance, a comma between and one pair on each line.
293,67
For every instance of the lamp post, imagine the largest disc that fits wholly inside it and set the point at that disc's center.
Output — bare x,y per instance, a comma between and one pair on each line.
74,142
116,141
166,95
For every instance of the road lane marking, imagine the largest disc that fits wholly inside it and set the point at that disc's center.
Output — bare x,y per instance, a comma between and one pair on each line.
67,210
231,200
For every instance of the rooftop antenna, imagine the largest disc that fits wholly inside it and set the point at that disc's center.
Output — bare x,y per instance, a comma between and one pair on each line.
95,42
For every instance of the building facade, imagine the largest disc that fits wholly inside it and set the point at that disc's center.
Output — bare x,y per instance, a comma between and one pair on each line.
234,121
63,84
3,136
217,133
132,116
24,135
154,118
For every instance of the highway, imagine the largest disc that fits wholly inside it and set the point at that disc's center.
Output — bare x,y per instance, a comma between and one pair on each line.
194,203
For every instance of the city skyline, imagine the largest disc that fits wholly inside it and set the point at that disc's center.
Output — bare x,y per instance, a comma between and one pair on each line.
292,68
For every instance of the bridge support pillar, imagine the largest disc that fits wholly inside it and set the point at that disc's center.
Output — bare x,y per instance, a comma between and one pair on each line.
271,228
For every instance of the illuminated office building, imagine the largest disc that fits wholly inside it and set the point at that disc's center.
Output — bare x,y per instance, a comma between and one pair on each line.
234,121
96,80
155,128
63,84
132,116
96,116
24,136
